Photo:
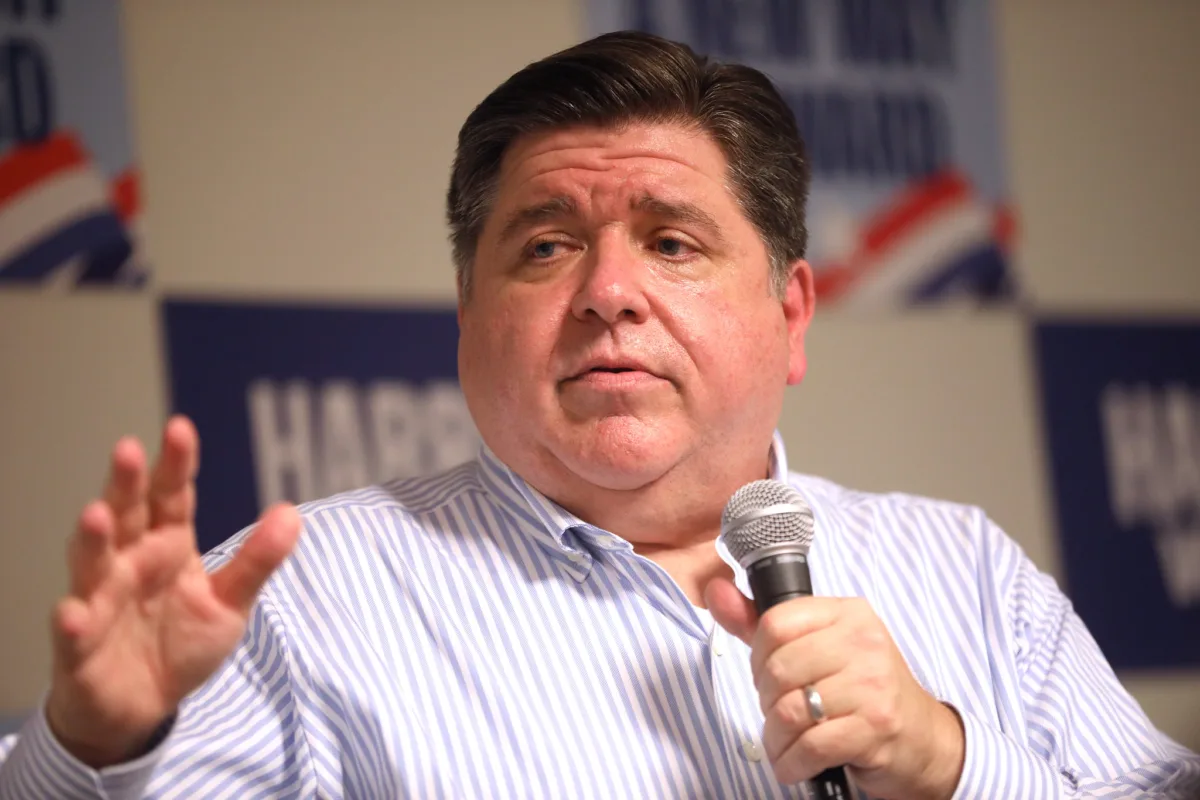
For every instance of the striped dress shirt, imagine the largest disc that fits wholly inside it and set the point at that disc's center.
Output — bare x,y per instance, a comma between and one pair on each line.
461,635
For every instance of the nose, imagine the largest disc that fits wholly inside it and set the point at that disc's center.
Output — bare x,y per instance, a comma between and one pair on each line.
612,285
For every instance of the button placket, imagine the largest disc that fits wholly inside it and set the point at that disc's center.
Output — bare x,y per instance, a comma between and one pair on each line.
718,641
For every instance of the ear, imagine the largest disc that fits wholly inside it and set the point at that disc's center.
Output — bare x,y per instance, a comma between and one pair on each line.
798,304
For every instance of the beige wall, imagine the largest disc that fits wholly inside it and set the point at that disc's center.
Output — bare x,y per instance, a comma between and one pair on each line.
300,148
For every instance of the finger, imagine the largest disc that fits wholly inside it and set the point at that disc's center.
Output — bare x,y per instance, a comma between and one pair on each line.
802,662
833,743
79,626
157,560
89,551
788,621
239,581
69,623
125,491
172,487
790,717
730,608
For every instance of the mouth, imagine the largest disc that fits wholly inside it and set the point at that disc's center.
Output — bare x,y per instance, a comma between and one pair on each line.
620,377
611,368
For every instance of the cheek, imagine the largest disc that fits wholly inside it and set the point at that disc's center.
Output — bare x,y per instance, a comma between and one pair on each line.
737,352
506,342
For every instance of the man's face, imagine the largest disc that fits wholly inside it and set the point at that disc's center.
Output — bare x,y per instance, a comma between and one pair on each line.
621,322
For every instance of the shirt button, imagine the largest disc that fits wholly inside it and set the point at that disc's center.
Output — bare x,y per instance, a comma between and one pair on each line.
577,558
718,647
752,750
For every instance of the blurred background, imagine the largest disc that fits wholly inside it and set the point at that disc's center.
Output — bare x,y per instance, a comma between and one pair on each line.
235,209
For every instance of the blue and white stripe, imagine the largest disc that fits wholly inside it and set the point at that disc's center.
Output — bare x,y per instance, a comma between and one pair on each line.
462,636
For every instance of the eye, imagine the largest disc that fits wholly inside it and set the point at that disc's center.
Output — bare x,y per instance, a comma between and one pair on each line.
543,250
671,247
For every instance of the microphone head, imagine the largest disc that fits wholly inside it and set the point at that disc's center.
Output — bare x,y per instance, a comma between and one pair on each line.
766,513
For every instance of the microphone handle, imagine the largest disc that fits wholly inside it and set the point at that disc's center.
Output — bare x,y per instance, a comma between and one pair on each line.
774,580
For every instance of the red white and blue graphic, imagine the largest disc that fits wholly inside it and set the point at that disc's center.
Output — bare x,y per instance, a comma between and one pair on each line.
938,240
70,205
898,104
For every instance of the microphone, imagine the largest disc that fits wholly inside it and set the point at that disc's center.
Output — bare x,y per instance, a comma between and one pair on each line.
769,528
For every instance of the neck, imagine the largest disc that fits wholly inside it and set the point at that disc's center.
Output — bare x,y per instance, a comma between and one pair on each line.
691,567
672,521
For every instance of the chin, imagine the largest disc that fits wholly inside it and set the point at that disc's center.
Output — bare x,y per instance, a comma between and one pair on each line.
620,453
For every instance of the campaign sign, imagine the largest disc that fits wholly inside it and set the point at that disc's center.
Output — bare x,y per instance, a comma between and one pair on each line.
898,104
1122,414
69,198
297,402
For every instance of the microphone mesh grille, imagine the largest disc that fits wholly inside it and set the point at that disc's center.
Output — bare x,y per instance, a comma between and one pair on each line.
795,526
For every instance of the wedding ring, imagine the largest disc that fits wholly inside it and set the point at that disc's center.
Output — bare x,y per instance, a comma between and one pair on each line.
816,706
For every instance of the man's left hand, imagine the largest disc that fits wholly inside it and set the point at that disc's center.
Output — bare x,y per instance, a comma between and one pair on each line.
897,740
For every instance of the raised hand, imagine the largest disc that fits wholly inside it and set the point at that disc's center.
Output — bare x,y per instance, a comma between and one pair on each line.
144,624
897,739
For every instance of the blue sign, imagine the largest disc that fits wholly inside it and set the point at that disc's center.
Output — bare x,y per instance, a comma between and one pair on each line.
297,402
70,205
1122,415
898,103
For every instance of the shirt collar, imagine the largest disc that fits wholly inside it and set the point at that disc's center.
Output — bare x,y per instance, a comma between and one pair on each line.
565,534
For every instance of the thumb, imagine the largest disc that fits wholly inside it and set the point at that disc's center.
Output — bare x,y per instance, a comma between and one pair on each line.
239,581
731,609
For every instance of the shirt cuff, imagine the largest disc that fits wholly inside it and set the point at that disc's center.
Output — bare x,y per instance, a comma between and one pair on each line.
38,766
996,766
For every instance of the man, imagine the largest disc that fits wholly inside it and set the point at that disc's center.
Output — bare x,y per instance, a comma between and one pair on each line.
553,619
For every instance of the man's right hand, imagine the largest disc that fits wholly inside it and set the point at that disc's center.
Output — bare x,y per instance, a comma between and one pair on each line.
144,624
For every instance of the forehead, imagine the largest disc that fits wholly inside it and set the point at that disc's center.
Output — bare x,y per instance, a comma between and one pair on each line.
672,160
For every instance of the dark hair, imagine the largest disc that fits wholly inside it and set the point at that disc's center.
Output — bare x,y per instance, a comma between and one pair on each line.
628,77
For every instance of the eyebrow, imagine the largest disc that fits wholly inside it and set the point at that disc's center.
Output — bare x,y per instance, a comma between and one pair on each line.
564,206
684,212
561,206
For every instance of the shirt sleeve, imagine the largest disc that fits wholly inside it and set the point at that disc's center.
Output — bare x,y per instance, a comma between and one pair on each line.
239,735
1084,734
